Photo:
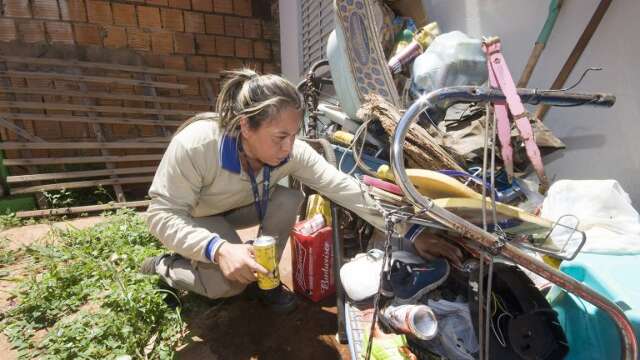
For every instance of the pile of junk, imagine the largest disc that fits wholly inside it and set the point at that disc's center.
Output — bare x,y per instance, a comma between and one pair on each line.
436,130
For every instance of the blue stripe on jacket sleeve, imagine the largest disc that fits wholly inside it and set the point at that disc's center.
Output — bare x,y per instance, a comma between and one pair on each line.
210,246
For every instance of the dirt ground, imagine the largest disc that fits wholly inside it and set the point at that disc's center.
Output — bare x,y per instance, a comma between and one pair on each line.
236,328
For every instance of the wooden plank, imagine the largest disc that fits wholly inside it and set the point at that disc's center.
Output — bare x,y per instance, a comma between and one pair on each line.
82,209
148,139
82,184
98,79
79,174
99,131
11,145
151,91
81,160
104,95
106,66
92,108
100,119
19,130
5,83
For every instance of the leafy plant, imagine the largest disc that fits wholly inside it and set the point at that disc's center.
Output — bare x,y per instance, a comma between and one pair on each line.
86,291
60,198
7,256
9,220
78,197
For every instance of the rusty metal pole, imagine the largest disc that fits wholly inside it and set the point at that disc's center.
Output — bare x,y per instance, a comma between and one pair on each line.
573,58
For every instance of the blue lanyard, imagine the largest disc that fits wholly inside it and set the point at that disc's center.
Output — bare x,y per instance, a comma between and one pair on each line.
261,203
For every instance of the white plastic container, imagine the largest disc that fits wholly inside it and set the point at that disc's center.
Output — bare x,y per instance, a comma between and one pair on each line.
453,59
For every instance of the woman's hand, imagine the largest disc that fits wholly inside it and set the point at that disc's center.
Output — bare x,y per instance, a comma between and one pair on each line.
429,245
238,263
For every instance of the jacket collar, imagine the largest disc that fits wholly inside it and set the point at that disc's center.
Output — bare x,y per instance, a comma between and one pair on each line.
230,149
230,154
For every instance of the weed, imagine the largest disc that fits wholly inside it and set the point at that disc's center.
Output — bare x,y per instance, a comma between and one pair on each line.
10,220
7,256
59,198
78,197
86,291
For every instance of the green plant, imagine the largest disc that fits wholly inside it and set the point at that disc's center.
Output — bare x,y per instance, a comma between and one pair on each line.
78,197
60,198
9,220
102,195
7,256
86,291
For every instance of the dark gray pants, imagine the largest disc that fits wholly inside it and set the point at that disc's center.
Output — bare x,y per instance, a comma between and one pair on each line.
206,278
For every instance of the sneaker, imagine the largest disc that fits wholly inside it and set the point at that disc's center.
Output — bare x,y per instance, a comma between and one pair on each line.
411,276
148,266
279,300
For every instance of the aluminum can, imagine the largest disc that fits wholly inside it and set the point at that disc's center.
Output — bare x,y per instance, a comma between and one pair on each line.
416,320
264,248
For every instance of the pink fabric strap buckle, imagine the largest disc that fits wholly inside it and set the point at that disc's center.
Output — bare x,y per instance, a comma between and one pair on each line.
500,78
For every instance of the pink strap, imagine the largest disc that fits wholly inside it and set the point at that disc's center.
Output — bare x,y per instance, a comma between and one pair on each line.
500,78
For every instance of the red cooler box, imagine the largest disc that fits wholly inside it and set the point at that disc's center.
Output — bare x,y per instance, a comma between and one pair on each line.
312,263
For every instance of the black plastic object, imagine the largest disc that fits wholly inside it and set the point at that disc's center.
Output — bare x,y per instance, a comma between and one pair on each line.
529,328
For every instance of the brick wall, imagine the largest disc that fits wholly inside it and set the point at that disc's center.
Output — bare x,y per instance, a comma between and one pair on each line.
197,35
187,35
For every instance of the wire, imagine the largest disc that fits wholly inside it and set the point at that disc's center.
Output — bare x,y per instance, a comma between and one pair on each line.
586,102
584,73
361,132
492,121
500,337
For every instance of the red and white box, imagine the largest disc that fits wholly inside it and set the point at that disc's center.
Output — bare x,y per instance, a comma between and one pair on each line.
312,263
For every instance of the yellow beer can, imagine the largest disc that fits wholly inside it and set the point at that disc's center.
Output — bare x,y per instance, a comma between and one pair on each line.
264,248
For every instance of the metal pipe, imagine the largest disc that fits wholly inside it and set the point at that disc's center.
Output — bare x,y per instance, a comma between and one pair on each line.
337,264
444,98
475,235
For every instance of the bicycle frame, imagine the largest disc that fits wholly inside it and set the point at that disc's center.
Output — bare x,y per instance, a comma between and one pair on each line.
472,234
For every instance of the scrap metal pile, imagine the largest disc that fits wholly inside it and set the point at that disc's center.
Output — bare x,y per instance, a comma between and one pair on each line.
439,137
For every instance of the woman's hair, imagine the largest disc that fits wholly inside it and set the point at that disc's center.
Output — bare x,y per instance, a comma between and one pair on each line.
256,97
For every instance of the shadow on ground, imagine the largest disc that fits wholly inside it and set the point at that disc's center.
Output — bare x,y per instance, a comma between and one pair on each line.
242,329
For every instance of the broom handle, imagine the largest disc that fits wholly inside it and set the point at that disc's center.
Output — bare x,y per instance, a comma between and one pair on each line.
541,42
573,58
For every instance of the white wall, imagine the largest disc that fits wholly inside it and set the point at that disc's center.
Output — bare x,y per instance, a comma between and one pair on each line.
601,143
290,41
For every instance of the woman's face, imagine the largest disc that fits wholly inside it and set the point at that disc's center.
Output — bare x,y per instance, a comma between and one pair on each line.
272,142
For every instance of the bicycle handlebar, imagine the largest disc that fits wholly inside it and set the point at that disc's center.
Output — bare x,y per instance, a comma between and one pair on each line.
445,97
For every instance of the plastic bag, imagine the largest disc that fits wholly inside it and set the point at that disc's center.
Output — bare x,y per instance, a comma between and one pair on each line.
452,59
605,212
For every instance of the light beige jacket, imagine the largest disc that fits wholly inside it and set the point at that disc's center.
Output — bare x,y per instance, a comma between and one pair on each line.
200,175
